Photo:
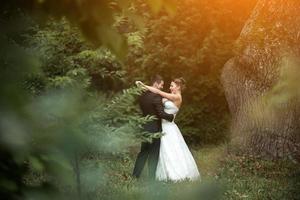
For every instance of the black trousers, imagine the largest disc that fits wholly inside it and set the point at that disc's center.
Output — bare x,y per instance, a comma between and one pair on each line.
148,151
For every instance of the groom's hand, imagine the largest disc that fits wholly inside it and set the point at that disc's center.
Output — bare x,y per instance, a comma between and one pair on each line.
157,101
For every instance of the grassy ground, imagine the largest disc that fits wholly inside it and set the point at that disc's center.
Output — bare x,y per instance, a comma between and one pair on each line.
223,176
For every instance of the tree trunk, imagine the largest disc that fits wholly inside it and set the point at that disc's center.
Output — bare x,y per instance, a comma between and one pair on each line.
255,78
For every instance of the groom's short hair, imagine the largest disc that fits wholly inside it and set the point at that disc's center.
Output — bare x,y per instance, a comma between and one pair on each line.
156,79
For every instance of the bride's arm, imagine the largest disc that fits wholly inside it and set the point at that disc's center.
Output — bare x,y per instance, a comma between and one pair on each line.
170,96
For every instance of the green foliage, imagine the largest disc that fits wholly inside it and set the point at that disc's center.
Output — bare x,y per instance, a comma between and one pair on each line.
70,130
180,44
95,18
68,60
194,43
52,116
55,46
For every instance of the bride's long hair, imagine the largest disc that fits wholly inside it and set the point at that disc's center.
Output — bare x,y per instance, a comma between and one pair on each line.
180,82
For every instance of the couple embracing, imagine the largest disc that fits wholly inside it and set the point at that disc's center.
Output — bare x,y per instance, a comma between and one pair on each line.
169,158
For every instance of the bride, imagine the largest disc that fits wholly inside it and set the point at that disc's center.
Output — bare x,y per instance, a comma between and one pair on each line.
176,162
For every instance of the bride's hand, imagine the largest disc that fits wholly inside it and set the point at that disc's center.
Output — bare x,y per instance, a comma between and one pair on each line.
152,89
139,83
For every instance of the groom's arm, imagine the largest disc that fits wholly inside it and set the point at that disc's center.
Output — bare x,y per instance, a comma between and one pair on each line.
157,102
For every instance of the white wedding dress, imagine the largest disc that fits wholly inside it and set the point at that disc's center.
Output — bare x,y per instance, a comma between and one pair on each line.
176,162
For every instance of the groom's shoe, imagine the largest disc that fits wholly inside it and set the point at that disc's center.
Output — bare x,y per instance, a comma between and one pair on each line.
134,177
135,174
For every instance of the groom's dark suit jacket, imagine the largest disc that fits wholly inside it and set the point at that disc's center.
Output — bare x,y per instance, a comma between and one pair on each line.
151,104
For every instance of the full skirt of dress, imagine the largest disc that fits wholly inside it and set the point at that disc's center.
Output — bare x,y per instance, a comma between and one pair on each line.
176,162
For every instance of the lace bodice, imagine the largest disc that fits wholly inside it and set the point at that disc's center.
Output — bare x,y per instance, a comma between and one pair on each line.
170,107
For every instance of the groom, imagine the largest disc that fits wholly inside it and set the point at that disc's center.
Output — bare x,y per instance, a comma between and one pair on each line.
151,104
